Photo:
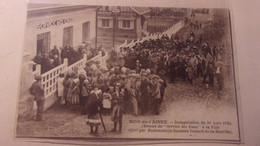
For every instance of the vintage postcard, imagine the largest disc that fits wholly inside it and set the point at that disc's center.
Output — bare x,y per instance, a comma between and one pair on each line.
102,72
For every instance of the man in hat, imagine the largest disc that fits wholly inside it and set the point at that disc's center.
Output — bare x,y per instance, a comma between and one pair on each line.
118,107
156,94
55,51
38,92
138,66
144,89
163,84
219,74
194,63
138,92
56,61
173,70
133,93
93,106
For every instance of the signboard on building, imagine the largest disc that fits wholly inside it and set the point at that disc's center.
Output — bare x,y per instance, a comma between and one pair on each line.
54,23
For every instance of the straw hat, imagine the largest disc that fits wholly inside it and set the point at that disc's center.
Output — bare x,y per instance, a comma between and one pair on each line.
156,77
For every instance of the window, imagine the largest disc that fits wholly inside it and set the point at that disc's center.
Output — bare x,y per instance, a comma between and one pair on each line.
85,31
68,36
126,24
105,22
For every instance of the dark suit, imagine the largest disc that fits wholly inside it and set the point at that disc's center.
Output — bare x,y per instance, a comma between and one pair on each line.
38,92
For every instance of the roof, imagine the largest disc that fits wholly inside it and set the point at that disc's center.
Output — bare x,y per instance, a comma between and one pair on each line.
141,10
41,9
37,6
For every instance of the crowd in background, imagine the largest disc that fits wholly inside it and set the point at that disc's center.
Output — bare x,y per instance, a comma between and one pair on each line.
52,59
186,60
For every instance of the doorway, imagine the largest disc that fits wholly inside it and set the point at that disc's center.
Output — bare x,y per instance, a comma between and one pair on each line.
43,42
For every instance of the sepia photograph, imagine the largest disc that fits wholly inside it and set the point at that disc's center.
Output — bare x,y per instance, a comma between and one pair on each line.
128,72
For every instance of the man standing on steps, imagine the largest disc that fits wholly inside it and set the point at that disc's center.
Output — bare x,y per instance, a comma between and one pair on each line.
38,92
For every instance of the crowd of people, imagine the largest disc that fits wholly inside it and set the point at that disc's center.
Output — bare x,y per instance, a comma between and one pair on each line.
52,59
137,84
186,60
112,92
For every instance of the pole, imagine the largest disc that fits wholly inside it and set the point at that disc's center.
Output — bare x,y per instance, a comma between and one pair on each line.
113,31
102,122
155,21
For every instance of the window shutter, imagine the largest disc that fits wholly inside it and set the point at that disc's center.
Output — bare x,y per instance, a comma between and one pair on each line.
120,24
111,23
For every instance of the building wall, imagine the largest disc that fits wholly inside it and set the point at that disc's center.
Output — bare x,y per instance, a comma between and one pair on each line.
77,20
105,35
26,105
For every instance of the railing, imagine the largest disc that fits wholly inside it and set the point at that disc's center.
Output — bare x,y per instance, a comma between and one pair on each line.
49,79
172,30
79,64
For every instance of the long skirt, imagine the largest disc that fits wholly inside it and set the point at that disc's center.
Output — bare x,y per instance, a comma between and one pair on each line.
93,120
73,98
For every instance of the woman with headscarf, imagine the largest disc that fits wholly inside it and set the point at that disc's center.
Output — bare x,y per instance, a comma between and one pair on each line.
93,106
73,90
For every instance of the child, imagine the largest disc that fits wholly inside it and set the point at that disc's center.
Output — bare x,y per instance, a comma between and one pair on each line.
190,73
211,72
61,88
106,102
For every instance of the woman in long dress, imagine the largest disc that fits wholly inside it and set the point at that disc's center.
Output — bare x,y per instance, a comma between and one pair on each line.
61,88
73,91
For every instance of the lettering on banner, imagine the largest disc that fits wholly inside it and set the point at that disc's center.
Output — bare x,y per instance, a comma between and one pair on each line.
54,23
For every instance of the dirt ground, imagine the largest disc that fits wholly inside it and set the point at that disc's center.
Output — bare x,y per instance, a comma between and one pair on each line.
180,99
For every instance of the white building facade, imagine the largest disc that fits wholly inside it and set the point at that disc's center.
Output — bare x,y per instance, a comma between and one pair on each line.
59,25
48,26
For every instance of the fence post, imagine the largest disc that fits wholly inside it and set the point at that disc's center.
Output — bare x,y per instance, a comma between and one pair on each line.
30,65
38,69
85,56
65,62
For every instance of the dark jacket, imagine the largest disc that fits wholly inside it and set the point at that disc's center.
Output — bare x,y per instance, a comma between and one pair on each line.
37,91
93,103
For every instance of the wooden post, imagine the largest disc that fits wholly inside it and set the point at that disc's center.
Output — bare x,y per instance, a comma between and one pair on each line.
38,69
65,62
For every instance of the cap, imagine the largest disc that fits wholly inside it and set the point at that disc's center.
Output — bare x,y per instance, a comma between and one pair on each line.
123,76
144,74
86,81
148,71
138,76
123,69
118,84
156,77
132,71
162,72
